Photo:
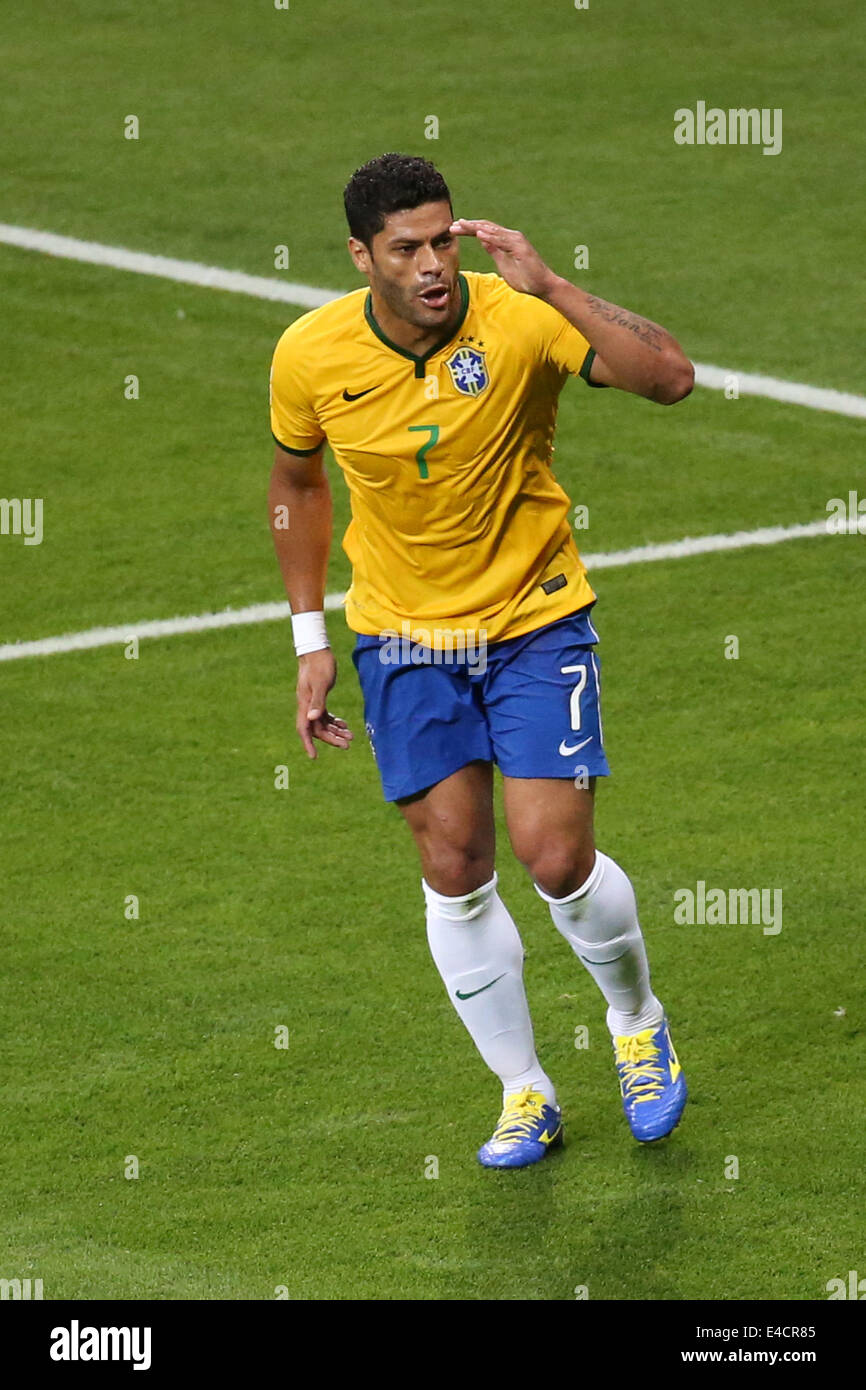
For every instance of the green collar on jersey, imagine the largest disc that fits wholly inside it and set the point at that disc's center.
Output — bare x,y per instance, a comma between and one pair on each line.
421,362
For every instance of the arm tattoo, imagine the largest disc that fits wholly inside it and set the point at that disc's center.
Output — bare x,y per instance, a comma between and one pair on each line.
642,328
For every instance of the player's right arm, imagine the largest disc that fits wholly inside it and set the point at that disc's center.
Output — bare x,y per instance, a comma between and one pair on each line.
300,510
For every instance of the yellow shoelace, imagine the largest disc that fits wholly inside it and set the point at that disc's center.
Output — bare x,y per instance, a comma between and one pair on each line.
641,1079
519,1115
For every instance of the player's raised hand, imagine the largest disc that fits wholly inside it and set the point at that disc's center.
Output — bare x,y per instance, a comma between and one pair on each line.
516,259
317,674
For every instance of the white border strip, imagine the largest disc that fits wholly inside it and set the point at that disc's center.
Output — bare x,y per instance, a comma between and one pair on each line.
273,612
309,297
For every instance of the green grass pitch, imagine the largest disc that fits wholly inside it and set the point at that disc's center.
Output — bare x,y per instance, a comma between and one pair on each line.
304,1167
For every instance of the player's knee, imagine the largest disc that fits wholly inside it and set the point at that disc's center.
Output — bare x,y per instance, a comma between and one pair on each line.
454,870
560,869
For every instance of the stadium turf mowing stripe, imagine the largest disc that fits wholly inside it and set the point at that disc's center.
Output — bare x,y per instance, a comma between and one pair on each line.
274,612
310,297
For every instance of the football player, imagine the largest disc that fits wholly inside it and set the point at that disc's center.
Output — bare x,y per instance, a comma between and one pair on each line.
475,643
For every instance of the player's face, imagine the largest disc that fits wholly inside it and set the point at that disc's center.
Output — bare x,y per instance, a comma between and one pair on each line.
413,263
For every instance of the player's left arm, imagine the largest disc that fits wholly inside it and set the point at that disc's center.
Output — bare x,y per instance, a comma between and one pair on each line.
631,352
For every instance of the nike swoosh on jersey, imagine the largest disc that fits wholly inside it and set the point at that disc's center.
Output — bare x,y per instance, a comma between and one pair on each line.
473,992
356,395
566,751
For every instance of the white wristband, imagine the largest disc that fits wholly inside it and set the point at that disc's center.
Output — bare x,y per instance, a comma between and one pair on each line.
308,630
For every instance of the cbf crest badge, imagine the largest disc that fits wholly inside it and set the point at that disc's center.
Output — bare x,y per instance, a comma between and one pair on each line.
468,371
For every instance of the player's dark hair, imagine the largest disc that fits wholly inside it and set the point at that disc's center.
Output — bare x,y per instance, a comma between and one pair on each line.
390,183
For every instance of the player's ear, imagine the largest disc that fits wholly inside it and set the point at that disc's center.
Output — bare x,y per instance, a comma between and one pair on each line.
360,255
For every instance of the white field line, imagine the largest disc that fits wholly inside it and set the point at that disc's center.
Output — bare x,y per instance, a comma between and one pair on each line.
791,392
165,267
272,612
310,297
703,545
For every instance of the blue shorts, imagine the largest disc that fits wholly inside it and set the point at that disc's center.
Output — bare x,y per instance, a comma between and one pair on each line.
530,704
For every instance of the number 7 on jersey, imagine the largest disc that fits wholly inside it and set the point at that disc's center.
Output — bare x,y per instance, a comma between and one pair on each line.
421,455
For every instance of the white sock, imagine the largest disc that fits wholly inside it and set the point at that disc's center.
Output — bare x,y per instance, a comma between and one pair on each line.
600,922
474,942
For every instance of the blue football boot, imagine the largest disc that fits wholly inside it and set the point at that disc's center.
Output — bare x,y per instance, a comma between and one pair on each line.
528,1128
651,1081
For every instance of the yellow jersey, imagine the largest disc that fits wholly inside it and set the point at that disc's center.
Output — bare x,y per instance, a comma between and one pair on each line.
458,523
